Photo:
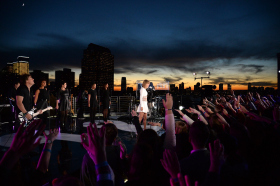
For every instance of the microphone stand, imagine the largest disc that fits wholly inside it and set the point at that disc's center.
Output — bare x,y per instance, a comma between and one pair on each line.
48,103
99,105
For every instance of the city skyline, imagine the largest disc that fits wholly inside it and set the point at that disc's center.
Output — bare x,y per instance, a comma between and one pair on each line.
236,41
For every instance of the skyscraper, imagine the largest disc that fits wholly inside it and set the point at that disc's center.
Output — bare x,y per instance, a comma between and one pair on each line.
229,87
97,66
21,66
249,86
181,88
172,88
221,87
65,76
123,85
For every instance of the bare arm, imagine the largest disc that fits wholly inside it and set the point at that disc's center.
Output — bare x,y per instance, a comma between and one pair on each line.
57,101
170,138
222,119
36,96
20,104
185,117
141,99
89,96
44,160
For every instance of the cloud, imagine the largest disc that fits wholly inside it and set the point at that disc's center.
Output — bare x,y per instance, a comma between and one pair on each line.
264,83
241,81
172,80
251,68
151,71
117,85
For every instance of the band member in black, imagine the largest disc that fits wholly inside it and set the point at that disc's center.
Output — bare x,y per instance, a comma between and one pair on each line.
41,99
24,97
92,102
12,98
106,102
63,104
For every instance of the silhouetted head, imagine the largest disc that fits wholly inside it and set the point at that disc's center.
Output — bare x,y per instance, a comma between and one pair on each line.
199,134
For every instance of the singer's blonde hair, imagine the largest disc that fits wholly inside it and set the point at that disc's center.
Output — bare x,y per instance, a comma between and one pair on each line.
145,82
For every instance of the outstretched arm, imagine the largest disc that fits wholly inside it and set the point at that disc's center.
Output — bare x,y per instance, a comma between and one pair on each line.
170,138
185,117
44,160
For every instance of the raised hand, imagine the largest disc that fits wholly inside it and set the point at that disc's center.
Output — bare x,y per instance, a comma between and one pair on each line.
52,134
192,110
208,110
96,143
170,163
180,112
200,108
168,104
23,142
216,156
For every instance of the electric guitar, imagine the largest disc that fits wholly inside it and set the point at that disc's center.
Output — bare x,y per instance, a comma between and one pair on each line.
22,117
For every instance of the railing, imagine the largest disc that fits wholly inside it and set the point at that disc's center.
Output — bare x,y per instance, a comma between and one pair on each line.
122,104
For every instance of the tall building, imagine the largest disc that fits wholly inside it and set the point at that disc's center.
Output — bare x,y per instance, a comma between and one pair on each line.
65,75
249,86
38,75
8,79
9,68
181,88
229,87
21,66
188,91
123,85
172,88
278,72
221,87
97,66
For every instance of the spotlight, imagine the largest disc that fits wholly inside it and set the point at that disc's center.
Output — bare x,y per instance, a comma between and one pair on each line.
181,107
279,71
194,74
207,72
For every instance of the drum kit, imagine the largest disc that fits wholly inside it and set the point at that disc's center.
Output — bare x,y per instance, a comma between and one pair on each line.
153,106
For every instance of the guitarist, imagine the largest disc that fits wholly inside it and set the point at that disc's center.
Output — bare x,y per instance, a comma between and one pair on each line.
24,97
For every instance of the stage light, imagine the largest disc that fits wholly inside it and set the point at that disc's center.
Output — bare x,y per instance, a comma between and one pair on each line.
194,74
207,72
279,71
181,107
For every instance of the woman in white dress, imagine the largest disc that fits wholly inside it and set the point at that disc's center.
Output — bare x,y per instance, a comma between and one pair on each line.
143,106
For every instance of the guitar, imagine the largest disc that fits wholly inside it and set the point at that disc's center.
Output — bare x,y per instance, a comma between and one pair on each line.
22,117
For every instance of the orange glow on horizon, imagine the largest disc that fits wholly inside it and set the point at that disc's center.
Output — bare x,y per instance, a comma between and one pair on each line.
233,87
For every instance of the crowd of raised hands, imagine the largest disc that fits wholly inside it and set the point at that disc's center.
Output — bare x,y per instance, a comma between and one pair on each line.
227,140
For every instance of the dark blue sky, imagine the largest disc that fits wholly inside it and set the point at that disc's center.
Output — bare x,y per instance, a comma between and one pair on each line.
166,40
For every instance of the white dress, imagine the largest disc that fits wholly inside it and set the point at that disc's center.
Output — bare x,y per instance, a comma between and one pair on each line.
143,101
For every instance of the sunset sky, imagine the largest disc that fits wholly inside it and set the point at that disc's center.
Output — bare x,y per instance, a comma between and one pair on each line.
237,41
